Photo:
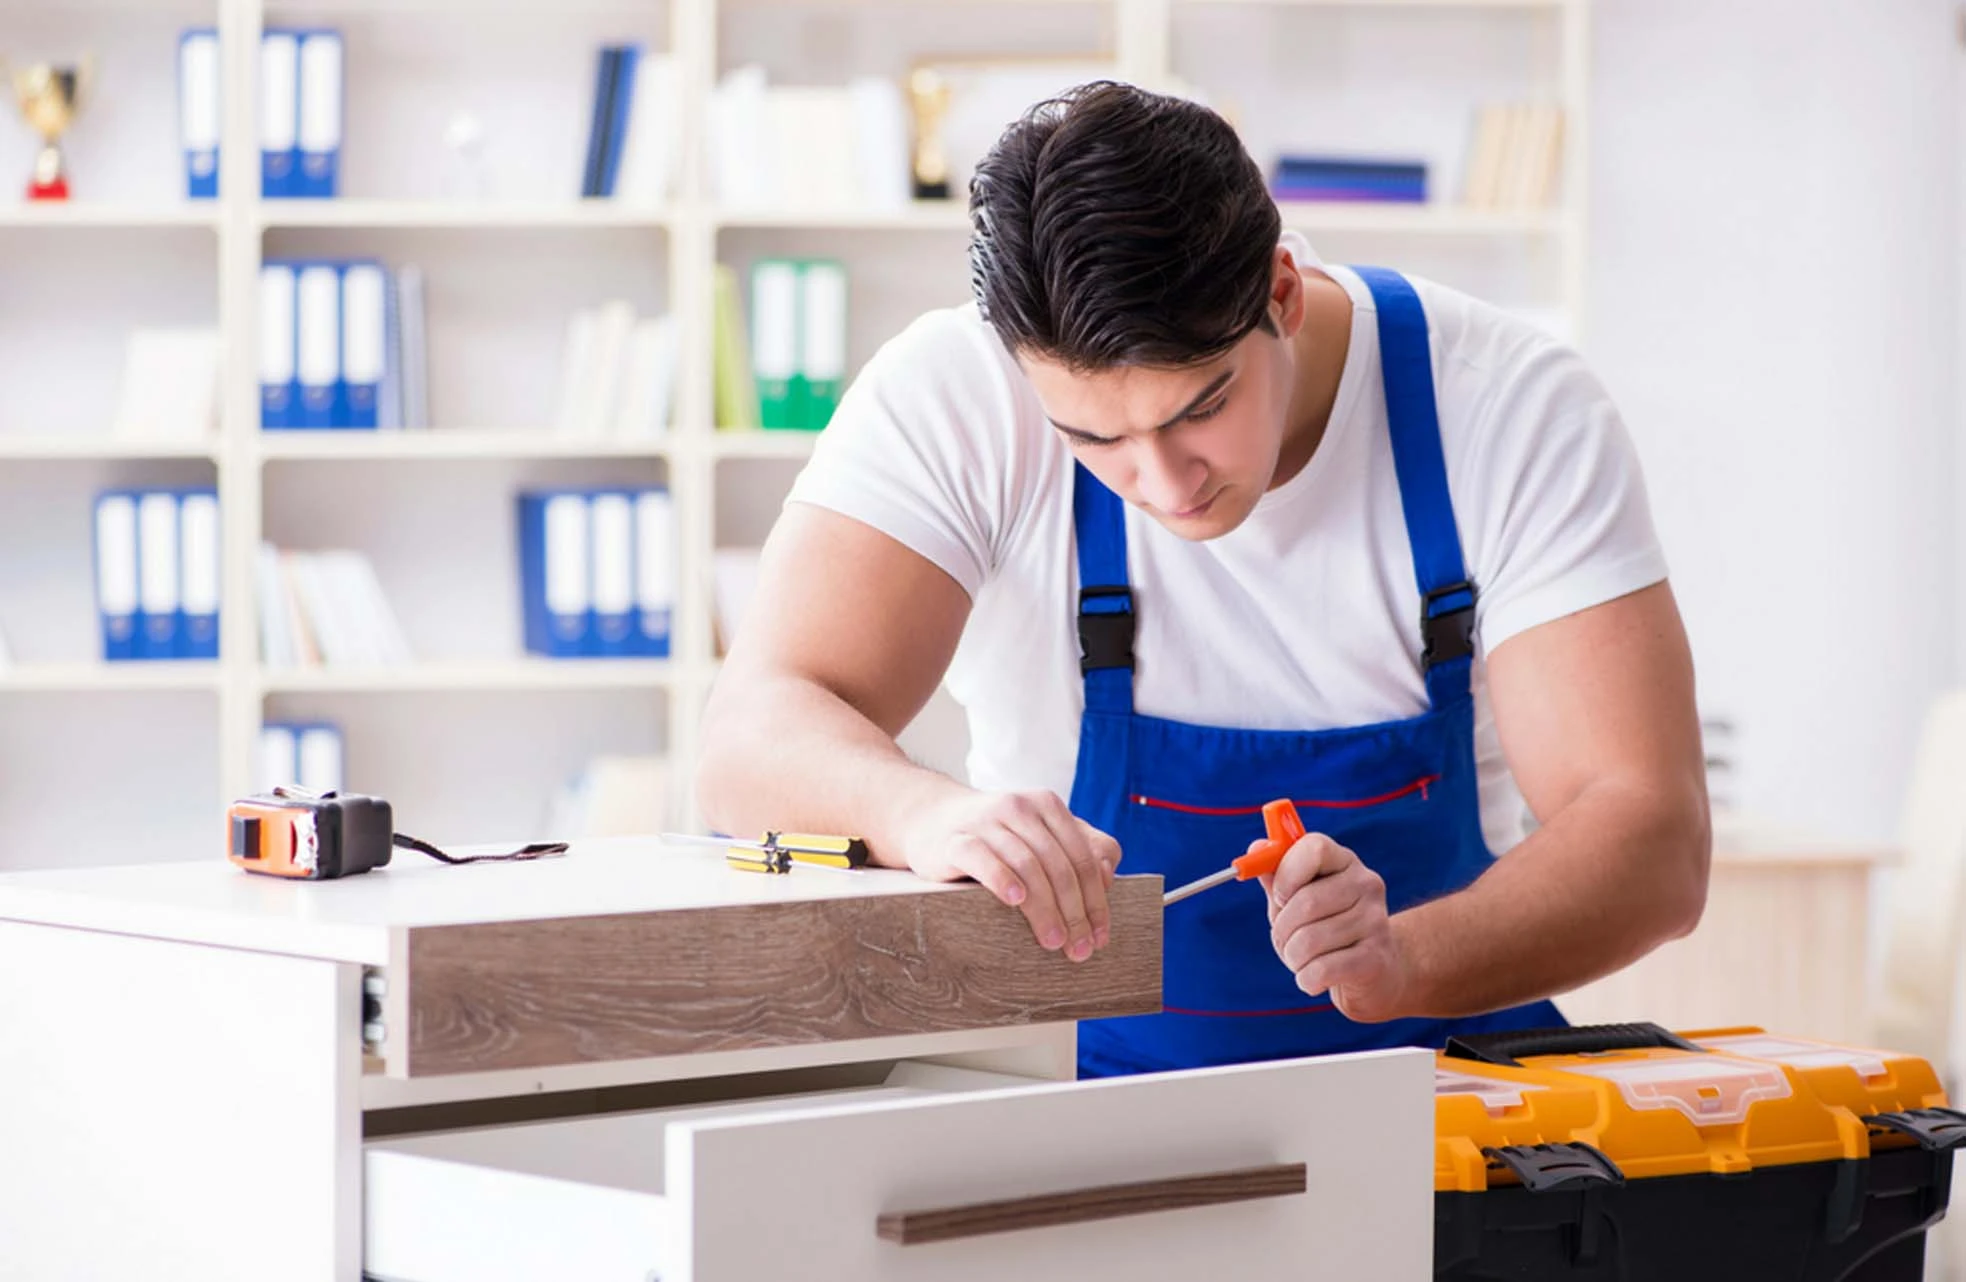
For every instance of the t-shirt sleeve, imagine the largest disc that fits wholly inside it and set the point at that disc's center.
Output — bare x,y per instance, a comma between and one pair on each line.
917,448
1558,519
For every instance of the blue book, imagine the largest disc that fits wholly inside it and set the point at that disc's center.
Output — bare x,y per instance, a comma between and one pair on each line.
198,110
116,573
597,126
620,101
555,574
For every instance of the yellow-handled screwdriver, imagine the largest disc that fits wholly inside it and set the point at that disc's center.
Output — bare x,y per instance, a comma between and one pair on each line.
776,852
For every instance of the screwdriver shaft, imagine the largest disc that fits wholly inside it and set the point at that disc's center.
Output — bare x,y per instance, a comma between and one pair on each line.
1196,887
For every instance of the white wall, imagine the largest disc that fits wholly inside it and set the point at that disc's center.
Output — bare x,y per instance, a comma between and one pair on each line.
1774,288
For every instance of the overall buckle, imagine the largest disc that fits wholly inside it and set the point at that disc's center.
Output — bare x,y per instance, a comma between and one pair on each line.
1105,635
1447,635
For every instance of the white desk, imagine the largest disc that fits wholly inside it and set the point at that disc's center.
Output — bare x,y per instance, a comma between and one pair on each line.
185,1087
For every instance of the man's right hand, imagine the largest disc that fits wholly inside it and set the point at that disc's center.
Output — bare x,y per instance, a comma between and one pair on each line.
1032,853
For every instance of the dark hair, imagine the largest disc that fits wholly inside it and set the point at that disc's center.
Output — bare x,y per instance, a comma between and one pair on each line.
1113,226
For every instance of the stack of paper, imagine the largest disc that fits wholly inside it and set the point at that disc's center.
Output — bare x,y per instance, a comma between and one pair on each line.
834,147
618,374
1516,157
613,797
325,608
170,385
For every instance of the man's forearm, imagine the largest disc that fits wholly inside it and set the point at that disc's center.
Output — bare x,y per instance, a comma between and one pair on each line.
787,753
1610,877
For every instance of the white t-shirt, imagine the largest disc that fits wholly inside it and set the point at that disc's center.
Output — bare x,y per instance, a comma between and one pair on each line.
1304,617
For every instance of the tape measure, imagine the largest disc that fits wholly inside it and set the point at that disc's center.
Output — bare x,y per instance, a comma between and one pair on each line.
309,836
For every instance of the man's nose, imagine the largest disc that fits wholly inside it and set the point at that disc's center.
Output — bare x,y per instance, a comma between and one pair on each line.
1170,480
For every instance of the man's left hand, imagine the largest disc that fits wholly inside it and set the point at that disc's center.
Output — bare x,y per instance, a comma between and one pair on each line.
1329,924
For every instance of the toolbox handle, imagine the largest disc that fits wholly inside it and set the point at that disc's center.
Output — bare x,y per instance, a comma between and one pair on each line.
1585,1039
1076,1206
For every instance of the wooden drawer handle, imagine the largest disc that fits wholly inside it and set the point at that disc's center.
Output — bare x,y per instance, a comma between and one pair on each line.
912,1228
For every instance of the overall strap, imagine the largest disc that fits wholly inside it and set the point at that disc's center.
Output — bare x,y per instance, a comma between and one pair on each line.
1105,616
1447,598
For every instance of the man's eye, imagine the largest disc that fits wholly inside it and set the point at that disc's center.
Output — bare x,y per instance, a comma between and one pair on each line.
1199,416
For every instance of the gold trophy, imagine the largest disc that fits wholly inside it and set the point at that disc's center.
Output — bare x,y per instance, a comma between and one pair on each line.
49,97
928,96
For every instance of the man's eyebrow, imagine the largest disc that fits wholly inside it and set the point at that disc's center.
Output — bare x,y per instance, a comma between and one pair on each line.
1201,398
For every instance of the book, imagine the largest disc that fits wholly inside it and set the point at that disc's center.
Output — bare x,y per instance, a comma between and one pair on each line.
735,393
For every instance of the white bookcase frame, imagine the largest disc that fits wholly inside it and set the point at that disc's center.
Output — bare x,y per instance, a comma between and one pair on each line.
689,228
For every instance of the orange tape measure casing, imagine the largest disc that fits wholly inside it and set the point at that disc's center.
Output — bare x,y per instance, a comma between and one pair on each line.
307,837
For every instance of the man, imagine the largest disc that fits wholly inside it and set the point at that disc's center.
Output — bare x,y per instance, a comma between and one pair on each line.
1189,521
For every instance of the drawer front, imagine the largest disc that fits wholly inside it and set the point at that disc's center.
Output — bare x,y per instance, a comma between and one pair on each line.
984,1181
1298,1170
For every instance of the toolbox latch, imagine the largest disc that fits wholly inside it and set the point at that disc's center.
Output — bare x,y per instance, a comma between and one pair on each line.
1557,1168
1937,1130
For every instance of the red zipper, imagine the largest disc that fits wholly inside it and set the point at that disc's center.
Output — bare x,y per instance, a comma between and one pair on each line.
1418,785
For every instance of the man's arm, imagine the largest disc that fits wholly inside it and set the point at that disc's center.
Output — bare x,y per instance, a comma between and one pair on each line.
800,730
1597,719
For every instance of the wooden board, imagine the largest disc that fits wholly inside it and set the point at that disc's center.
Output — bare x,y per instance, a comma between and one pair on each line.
530,994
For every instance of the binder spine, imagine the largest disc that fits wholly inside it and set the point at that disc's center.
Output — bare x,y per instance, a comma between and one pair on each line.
279,114
157,574
198,111
198,574
655,574
364,343
279,389
116,574
554,573
317,292
319,126
611,539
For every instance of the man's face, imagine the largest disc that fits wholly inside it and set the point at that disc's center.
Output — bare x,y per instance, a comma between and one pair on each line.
1194,447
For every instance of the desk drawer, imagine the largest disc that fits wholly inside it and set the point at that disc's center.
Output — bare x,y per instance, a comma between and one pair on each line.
1299,1169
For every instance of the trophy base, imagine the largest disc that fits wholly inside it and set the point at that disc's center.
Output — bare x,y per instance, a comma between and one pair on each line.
931,191
55,190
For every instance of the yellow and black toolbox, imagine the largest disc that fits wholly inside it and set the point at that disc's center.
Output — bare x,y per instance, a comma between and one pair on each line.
1626,1152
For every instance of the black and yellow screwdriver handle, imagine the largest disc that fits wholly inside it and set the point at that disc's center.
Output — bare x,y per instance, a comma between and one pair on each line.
778,851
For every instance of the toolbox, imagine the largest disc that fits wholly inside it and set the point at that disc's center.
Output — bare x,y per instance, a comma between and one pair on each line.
1626,1152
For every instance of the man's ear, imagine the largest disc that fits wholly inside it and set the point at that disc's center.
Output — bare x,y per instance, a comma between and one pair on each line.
1286,294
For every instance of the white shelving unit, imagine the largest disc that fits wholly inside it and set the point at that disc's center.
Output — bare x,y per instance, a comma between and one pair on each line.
472,741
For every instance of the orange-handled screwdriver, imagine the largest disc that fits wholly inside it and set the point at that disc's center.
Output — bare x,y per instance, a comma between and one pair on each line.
1286,828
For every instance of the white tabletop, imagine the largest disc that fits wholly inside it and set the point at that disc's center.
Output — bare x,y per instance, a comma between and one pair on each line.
355,918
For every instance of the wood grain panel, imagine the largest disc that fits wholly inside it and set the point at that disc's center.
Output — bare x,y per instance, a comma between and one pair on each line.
912,1228
531,994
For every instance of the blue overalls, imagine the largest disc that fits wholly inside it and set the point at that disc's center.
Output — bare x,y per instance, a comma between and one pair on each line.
1182,800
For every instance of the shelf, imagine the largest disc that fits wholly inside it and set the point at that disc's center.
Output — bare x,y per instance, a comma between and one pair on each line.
1447,220
454,214
760,443
59,213
937,215
25,448
449,443
494,675
1384,4
163,674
